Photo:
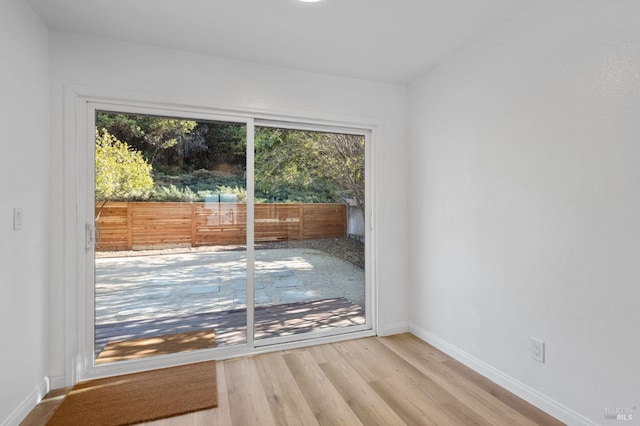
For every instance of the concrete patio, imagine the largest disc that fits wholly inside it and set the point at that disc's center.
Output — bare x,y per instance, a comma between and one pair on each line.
176,285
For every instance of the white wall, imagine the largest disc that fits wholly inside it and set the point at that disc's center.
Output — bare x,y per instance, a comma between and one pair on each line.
24,168
525,209
205,81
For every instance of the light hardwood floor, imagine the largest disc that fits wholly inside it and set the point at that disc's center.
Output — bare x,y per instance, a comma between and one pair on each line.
394,380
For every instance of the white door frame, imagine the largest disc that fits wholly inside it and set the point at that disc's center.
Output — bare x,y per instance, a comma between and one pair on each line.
80,107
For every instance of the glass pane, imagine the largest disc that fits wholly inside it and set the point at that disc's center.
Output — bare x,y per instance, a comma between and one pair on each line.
170,261
309,231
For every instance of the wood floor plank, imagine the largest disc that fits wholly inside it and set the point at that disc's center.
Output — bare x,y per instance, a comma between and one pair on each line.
363,400
409,402
379,380
247,401
370,371
414,396
326,402
463,415
324,353
500,393
466,392
287,402
390,365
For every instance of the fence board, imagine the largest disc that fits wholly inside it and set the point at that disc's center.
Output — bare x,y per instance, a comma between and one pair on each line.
147,225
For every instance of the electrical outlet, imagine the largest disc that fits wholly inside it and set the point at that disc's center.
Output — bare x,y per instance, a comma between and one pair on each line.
537,350
17,218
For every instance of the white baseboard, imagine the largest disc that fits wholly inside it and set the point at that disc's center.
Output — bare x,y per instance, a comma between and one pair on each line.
514,386
28,404
58,382
394,329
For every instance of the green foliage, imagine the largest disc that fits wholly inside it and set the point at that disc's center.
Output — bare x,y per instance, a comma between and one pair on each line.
197,186
158,138
344,157
153,130
176,146
121,173
172,193
193,160
200,180
241,193
226,146
286,166
309,167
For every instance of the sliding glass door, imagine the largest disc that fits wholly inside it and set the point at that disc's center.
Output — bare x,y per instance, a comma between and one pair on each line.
309,233
170,254
212,234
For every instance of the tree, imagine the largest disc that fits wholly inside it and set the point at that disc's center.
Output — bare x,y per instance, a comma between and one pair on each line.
344,156
161,139
289,167
175,146
121,172
305,166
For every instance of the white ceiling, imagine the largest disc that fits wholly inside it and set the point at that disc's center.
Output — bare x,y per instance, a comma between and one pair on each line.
384,40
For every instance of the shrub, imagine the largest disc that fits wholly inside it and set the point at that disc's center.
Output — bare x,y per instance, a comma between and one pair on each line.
121,173
172,193
175,193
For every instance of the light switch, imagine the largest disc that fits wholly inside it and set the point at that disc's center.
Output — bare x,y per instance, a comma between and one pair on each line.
17,218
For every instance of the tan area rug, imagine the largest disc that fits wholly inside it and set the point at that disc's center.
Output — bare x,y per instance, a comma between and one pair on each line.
157,345
139,397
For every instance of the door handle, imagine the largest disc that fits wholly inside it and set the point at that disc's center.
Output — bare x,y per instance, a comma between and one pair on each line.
90,238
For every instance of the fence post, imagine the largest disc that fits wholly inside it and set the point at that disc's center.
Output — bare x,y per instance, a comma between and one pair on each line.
301,222
129,225
193,224
345,219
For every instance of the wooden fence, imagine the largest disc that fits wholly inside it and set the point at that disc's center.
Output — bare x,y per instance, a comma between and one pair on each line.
153,225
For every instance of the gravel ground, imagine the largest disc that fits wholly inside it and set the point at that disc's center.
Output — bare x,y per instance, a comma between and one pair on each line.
345,248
